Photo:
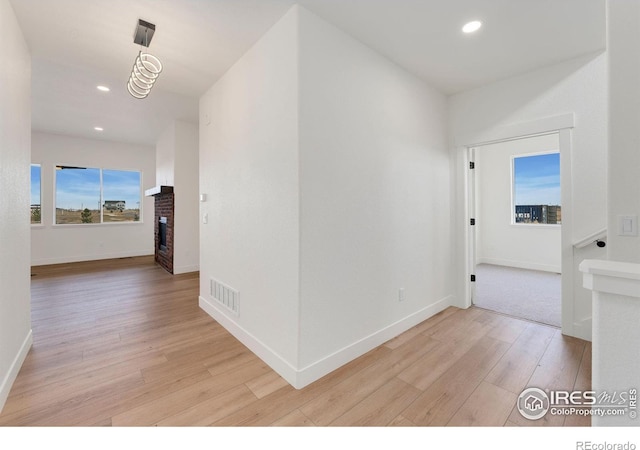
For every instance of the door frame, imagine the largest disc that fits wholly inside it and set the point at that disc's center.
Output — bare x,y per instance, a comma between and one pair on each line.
561,124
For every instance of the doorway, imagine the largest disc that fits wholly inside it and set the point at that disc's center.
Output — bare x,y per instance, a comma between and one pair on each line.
516,227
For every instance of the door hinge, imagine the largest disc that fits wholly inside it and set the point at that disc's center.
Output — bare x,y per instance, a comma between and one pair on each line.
472,165
472,221
473,278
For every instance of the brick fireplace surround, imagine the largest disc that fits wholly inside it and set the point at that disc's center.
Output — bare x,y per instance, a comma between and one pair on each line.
164,207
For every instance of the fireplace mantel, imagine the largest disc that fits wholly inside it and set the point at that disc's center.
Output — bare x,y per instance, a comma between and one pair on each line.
157,190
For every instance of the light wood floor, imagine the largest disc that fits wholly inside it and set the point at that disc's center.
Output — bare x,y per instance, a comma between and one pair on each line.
122,342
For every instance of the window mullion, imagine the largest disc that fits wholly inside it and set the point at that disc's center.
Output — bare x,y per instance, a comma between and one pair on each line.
101,199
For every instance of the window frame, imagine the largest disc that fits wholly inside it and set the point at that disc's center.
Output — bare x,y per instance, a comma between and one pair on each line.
140,197
140,220
35,224
512,211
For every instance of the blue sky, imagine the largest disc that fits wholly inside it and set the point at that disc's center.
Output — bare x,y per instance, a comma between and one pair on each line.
121,185
537,179
35,184
80,188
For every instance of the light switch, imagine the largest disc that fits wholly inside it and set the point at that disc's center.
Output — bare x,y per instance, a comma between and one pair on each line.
627,225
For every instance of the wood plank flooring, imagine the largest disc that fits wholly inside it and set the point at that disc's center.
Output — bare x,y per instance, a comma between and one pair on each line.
123,343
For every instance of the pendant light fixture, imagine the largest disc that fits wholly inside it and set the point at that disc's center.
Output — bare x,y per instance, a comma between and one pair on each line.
146,67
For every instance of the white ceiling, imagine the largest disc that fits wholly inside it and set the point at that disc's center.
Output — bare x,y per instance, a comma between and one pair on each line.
78,44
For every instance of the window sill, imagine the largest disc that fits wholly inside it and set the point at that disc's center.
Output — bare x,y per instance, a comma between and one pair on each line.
536,225
96,225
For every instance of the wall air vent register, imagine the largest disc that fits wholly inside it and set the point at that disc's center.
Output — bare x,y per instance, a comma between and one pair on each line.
226,296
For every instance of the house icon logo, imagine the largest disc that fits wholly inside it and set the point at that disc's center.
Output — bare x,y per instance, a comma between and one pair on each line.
533,403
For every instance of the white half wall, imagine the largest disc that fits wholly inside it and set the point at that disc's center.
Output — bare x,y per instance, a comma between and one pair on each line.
578,87
374,195
616,336
499,241
54,244
15,155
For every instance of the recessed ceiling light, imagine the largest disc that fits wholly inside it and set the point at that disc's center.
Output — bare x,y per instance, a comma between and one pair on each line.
103,88
472,26
98,128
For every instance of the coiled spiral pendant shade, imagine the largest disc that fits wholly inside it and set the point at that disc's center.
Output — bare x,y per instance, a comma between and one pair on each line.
144,74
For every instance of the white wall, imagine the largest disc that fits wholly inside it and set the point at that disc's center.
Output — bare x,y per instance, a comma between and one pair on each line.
624,133
15,153
374,196
176,165
53,244
499,241
327,172
578,86
186,252
165,157
249,172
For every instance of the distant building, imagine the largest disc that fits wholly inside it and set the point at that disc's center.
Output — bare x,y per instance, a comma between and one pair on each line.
549,214
114,205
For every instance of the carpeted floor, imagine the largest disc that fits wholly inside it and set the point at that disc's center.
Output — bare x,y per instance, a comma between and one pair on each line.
527,294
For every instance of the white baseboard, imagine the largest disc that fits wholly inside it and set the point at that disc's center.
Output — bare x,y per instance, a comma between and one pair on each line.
583,329
520,264
185,269
11,375
320,368
300,378
262,351
81,258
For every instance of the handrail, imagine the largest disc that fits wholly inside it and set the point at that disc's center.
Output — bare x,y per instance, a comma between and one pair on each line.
592,238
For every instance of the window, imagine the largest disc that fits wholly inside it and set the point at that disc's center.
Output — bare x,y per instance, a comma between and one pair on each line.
91,195
36,193
536,189
121,194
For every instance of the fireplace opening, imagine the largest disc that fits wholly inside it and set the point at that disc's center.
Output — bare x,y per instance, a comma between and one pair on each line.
162,237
